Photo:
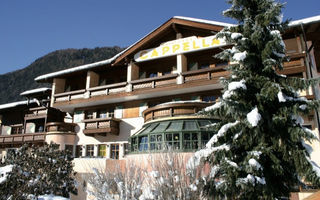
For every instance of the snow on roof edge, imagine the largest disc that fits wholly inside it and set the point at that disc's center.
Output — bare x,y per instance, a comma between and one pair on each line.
13,104
33,91
78,68
17,103
307,20
204,21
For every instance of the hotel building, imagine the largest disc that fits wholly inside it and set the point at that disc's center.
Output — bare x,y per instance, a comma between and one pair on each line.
146,95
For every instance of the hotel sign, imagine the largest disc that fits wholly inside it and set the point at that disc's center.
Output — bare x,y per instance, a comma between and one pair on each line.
174,47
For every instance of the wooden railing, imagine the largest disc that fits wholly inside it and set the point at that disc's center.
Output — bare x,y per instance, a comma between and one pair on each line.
295,65
68,96
22,138
60,127
101,126
35,112
205,74
154,82
173,109
108,89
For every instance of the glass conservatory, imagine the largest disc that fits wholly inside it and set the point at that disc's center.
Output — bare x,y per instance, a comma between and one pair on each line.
178,134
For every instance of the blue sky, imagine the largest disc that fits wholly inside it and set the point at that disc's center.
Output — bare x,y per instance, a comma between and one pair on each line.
31,29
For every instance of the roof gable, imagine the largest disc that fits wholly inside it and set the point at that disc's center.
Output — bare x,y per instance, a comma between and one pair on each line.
168,31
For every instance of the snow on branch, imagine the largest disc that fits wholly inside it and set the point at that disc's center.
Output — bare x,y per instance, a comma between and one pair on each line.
213,107
254,117
195,160
234,86
315,167
4,171
252,180
240,56
283,98
255,164
220,133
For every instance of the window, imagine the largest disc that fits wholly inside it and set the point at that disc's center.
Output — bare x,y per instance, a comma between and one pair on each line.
190,141
16,130
173,141
142,75
166,73
89,114
151,75
103,113
134,144
192,66
205,137
78,151
156,142
90,151
209,98
126,148
69,148
115,151
102,151
204,65
143,143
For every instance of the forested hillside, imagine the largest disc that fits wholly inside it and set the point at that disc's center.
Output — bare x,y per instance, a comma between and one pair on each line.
13,83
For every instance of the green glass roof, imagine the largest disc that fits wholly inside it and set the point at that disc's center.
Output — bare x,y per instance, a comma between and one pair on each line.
175,126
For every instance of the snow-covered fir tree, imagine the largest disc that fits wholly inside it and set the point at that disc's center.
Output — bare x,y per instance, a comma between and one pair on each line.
37,171
259,149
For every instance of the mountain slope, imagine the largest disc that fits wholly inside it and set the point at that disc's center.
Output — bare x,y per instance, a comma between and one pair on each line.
13,83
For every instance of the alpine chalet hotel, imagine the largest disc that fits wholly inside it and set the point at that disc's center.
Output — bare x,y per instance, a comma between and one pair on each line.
146,96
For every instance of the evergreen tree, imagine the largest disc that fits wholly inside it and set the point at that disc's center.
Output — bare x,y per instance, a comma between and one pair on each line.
38,171
259,149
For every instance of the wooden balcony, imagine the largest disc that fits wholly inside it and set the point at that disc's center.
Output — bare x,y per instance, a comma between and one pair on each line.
107,89
205,74
62,127
295,65
68,96
101,126
22,138
38,112
173,109
91,92
154,82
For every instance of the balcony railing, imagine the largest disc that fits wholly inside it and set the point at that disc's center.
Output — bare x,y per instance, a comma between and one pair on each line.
154,82
53,127
22,138
173,109
101,126
68,96
107,89
36,112
295,65
205,74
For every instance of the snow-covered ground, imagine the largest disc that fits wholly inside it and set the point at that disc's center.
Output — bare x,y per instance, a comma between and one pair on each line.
51,197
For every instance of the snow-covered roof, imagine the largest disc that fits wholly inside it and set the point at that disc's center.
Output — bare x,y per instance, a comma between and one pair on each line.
308,20
13,104
78,68
203,21
34,91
